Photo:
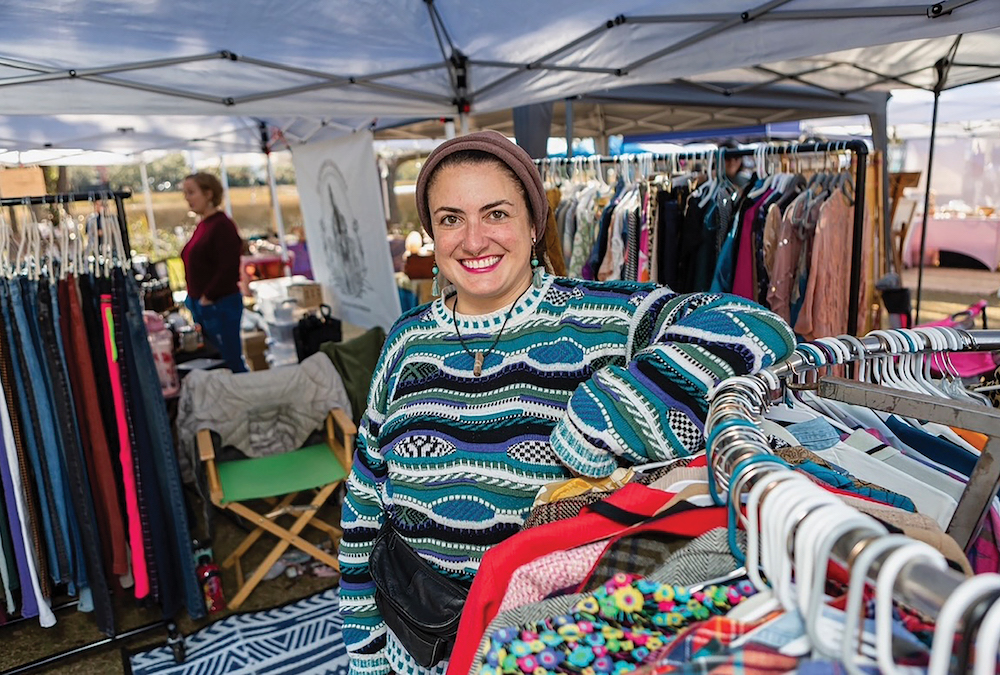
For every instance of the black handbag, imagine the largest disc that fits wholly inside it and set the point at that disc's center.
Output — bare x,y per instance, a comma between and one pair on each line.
311,331
420,605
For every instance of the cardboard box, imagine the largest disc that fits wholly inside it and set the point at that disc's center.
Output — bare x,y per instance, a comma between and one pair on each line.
309,295
255,349
22,181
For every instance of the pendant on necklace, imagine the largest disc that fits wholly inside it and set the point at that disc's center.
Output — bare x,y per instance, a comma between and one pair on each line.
477,368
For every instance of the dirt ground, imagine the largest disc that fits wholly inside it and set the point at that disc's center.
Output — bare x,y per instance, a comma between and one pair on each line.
950,290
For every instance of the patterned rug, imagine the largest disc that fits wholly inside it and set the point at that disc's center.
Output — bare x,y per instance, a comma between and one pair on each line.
302,638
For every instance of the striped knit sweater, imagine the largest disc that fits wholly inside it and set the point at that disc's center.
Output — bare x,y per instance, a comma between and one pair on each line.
586,376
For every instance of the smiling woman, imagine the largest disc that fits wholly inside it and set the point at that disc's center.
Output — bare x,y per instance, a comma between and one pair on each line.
482,228
512,379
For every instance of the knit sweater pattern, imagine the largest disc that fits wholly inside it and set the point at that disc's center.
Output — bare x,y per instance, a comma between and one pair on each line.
587,376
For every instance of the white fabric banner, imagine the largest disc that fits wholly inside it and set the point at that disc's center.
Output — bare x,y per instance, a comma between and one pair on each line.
345,228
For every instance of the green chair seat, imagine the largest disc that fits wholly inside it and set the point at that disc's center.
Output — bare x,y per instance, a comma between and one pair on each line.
309,467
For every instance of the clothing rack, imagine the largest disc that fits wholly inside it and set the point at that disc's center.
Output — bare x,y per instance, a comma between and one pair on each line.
741,401
175,640
118,196
858,148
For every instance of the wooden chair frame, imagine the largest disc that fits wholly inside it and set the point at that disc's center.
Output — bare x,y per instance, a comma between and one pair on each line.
340,434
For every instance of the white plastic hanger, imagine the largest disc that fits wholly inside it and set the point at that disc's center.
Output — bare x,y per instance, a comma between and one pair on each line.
709,186
5,266
830,531
780,516
855,594
861,362
887,575
951,613
988,642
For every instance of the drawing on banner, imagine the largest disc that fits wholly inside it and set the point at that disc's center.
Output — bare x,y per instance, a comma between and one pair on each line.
341,233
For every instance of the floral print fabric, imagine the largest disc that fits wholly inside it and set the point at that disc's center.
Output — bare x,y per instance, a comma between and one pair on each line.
612,630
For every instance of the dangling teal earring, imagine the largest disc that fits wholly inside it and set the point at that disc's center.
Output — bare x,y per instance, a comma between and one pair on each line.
435,288
536,268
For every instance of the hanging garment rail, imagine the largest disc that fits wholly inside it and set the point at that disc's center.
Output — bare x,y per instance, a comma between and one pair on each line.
118,196
174,639
858,148
737,407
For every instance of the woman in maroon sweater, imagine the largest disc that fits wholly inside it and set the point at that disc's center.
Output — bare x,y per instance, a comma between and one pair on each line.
212,267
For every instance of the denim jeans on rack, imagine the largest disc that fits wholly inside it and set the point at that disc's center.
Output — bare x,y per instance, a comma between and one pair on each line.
24,426
52,431
93,588
43,454
164,454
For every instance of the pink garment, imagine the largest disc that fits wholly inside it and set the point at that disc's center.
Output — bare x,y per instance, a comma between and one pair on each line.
554,572
644,243
139,570
824,309
772,228
743,285
985,555
968,364
786,258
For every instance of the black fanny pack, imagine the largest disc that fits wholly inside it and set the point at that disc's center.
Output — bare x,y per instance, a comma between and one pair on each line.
420,605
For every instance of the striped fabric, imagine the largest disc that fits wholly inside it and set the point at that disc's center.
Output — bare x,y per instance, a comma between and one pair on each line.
585,376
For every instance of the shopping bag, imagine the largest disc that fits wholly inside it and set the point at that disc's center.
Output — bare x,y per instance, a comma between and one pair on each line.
313,330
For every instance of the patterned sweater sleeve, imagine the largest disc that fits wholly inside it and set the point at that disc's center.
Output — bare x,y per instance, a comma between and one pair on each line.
653,408
363,513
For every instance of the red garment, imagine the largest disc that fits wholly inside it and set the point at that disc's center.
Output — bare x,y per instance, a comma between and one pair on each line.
139,570
212,258
100,468
500,562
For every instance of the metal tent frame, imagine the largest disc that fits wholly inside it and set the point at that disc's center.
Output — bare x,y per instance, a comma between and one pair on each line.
575,55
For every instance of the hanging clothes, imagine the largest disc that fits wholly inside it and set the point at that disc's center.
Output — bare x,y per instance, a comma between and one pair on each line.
85,430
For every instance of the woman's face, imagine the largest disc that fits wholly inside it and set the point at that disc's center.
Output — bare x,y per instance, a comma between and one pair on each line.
482,235
199,201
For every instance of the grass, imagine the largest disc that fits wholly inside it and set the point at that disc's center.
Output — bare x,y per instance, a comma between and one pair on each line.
175,223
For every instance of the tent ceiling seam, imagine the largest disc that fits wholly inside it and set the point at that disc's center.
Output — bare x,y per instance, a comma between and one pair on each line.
544,66
607,25
882,77
797,78
781,77
724,22
737,20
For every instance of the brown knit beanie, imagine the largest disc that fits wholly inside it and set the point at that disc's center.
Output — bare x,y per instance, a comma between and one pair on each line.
495,144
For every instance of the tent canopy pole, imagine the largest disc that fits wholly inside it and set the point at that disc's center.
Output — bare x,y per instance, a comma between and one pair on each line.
224,176
148,198
941,66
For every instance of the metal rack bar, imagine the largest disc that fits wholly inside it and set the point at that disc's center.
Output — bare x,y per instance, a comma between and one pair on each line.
919,586
975,502
83,649
857,147
67,197
118,196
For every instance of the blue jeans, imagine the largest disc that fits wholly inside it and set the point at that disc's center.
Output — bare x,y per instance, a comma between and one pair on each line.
220,324
164,455
37,415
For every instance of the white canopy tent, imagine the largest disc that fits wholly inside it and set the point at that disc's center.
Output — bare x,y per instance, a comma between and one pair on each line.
340,61
197,75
